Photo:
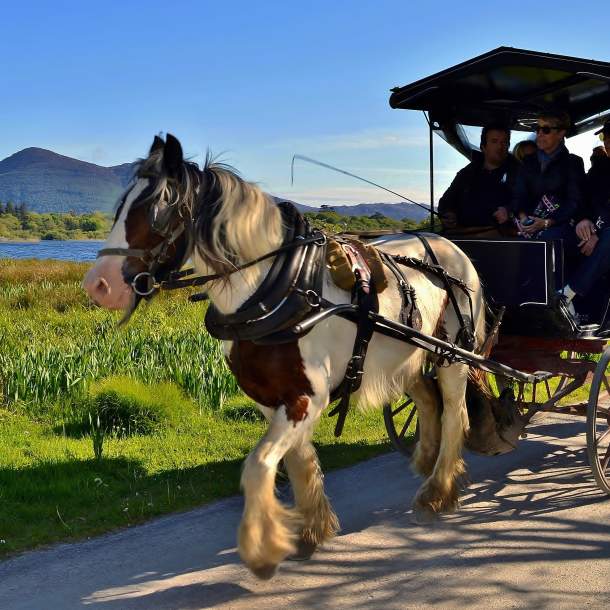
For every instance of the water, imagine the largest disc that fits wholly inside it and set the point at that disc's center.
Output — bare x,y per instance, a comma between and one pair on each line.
71,250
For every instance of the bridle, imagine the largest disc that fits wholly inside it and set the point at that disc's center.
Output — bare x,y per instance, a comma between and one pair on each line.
152,257
145,283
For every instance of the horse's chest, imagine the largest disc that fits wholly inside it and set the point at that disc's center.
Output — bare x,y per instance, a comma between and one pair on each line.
272,375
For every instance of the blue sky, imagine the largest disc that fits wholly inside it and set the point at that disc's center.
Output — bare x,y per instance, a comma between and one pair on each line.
259,82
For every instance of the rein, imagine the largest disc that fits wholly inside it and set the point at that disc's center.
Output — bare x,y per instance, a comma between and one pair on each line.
175,280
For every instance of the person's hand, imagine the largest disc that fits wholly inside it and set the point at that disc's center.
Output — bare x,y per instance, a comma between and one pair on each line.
449,220
587,246
535,227
501,215
584,229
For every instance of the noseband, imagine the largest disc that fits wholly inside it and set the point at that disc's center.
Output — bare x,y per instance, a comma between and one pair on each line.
152,257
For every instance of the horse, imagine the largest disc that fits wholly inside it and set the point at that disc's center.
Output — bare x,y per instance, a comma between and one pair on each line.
173,211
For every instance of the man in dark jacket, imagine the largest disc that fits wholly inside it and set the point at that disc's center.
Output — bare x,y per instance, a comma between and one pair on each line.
593,231
479,195
549,188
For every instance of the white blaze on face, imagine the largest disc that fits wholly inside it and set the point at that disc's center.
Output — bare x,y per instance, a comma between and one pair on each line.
104,282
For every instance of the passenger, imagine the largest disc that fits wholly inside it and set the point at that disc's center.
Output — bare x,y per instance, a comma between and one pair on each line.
549,188
599,152
523,149
593,231
479,195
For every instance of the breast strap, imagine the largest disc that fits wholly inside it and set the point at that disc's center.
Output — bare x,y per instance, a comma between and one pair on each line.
289,292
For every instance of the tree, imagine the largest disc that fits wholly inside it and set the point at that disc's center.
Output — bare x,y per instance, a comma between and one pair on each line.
10,208
22,212
1,208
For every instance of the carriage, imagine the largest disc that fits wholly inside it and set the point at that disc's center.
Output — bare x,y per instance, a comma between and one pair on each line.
296,336
548,359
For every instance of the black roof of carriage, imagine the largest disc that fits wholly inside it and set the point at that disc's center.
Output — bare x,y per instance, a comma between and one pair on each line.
511,86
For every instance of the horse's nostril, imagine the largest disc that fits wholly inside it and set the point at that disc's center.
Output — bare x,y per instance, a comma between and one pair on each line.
101,288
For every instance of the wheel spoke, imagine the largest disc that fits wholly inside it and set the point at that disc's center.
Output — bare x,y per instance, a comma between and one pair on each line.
404,405
602,436
604,461
407,423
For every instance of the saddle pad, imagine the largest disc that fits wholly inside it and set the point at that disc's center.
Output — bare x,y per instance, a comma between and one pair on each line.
341,266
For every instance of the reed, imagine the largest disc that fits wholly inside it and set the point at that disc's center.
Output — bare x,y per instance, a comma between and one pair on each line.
55,343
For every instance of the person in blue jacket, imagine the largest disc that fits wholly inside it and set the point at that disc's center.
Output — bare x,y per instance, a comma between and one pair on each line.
549,187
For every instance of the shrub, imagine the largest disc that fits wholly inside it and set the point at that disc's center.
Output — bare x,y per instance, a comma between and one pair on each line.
126,406
239,409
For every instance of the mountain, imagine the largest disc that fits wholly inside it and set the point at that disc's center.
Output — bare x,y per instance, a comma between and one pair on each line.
49,182
396,211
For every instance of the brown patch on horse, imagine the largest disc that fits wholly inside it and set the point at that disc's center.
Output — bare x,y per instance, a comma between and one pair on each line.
272,375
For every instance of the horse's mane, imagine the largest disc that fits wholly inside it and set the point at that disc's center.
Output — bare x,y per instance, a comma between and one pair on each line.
235,221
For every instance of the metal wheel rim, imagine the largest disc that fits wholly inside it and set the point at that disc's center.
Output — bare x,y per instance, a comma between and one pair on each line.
398,420
598,424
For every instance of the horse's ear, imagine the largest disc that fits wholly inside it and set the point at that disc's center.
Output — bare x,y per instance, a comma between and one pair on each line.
172,157
157,144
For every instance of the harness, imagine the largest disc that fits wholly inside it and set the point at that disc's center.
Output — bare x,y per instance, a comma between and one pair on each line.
290,291
289,301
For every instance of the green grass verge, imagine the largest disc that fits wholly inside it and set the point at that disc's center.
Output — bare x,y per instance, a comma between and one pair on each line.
56,348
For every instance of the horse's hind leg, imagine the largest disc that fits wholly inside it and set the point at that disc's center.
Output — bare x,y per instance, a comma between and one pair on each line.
424,394
320,522
440,491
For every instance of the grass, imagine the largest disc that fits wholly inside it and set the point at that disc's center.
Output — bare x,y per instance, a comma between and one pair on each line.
56,483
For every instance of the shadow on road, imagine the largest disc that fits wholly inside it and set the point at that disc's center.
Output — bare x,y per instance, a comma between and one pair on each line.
532,530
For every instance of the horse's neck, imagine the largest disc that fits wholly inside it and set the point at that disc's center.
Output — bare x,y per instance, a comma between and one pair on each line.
229,296
267,235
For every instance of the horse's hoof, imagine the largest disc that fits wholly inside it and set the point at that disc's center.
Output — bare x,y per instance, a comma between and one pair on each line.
424,516
304,551
264,572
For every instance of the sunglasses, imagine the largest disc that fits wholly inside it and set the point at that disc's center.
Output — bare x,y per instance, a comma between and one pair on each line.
545,129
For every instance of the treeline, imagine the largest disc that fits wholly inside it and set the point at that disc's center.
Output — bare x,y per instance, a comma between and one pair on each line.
17,222
329,220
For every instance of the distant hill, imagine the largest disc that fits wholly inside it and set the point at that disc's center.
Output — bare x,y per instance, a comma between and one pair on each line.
395,211
49,182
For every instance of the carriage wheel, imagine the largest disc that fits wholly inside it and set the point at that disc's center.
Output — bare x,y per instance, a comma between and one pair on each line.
598,423
402,425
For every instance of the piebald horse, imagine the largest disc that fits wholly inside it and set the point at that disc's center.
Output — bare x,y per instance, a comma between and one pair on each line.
220,221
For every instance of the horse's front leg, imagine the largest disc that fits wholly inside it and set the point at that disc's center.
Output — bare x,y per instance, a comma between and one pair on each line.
319,520
269,531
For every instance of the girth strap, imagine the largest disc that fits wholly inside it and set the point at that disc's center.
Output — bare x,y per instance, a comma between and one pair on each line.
367,302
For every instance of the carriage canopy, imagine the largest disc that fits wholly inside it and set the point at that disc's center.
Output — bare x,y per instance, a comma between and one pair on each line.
509,86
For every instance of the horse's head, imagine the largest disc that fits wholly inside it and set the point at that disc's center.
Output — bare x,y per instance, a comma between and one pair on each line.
150,235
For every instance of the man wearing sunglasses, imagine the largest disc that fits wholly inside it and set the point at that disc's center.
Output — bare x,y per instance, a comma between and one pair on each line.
549,188
479,195
593,231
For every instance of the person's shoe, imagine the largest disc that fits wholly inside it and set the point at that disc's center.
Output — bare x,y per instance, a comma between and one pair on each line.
568,305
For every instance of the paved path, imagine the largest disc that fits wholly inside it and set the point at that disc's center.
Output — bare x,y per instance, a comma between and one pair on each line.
533,532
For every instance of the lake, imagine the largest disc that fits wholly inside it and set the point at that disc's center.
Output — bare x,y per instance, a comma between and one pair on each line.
71,250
